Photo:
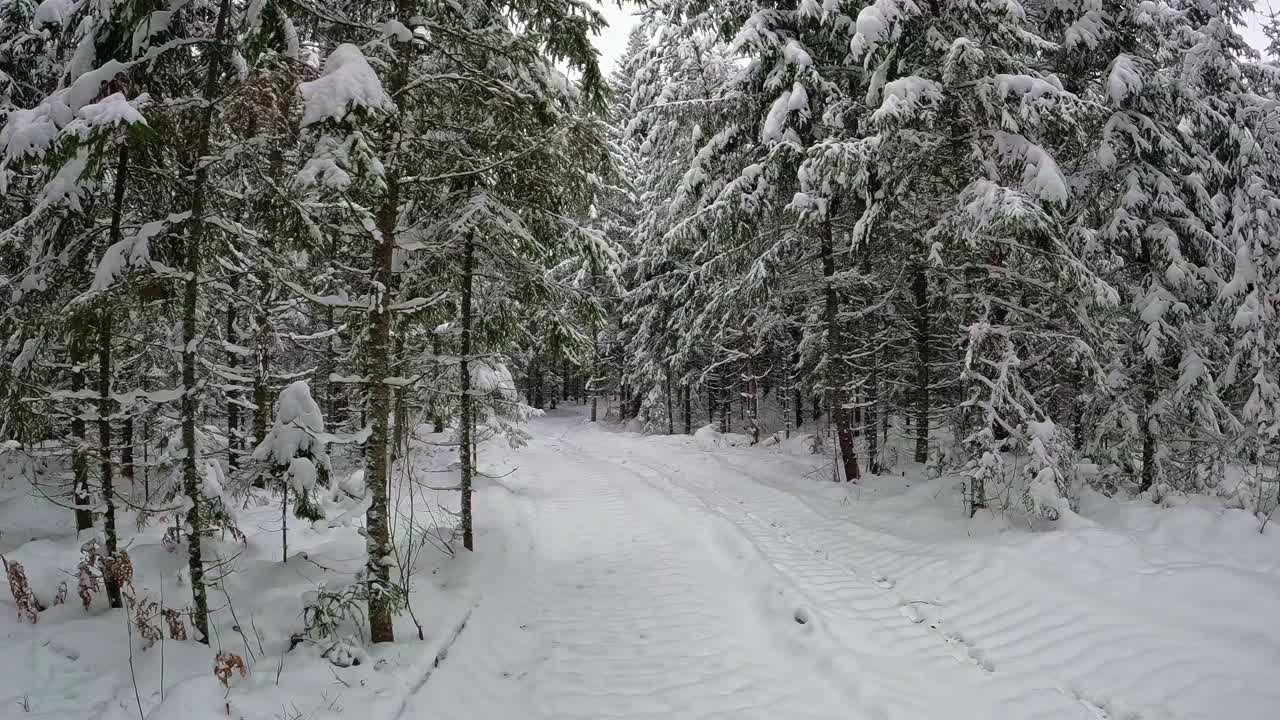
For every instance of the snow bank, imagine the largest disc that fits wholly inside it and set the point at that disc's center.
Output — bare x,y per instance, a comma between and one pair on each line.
708,438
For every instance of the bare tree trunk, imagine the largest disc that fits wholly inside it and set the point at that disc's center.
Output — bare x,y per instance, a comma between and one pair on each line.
190,298
1148,439
871,408
688,409
284,522
399,409
671,417
465,413
835,349
110,582
126,451
233,396
920,287
79,463
595,373
784,398
378,534
566,385
724,402
437,419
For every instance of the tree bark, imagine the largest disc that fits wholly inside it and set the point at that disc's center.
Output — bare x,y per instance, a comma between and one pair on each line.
1148,439
233,396
920,288
190,299
671,416
378,534
688,410
126,451
724,402
593,383
835,349
871,409
110,582
79,463
465,378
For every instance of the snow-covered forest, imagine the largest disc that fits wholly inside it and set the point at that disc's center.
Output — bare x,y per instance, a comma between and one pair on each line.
820,358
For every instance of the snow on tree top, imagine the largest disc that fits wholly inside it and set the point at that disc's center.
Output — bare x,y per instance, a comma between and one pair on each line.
297,427
346,83
52,12
876,23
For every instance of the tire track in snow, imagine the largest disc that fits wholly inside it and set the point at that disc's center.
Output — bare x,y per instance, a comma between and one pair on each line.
1122,664
617,612
867,623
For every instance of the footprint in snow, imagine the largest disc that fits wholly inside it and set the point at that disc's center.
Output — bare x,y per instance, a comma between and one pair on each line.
969,652
884,582
912,613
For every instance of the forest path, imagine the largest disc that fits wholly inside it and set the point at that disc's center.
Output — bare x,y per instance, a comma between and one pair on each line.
647,578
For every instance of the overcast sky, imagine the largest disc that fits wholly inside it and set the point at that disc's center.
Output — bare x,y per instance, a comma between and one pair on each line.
614,39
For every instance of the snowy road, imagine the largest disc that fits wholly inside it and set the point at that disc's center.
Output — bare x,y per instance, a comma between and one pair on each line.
647,578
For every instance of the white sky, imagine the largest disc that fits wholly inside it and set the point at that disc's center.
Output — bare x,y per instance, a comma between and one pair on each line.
613,41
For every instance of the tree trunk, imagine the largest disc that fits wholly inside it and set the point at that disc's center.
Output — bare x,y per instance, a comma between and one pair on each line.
233,396
920,288
190,298
835,349
79,463
871,409
784,397
437,418
465,375
724,402
671,414
593,383
110,582
566,384
261,363
377,527
378,534
284,521
1148,438
126,451
687,399
399,409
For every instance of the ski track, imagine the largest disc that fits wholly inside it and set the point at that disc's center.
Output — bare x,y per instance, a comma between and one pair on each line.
665,582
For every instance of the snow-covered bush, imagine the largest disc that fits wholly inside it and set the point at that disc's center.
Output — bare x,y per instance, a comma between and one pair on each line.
295,448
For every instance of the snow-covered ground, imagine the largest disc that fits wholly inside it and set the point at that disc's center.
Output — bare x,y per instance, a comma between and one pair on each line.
625,576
